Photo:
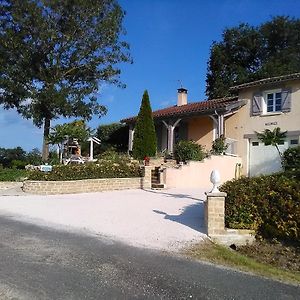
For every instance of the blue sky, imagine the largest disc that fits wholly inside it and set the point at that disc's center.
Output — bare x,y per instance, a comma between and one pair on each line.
170,41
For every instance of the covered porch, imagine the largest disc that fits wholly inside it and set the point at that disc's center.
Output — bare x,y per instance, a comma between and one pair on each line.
201,122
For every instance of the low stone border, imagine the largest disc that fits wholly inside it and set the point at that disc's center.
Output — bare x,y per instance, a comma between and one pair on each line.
88,185
81,186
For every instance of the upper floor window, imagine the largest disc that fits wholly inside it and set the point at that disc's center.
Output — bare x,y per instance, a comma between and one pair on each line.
271,101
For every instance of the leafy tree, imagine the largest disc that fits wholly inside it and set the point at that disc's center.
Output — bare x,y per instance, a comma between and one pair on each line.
273,138
248,53
113,135
144,140
7,156
68,131
34,157
54,55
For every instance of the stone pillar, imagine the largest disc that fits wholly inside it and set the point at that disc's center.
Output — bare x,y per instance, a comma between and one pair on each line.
214,213
147,177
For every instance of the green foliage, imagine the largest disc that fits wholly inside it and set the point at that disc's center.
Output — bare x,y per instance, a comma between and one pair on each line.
269,204
219,146
12,174
102,169
9,155
248,53
54,158
189,150
113,135
34,157
273,138
144,141
291,159
57,55
114,157
18,164
74,130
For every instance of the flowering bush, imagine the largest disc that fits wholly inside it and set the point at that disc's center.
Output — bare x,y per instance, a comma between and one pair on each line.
102,169
269,204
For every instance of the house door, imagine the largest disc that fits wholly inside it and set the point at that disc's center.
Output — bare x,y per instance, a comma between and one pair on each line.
265,159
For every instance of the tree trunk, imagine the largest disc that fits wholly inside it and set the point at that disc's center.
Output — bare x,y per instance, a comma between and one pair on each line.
45,152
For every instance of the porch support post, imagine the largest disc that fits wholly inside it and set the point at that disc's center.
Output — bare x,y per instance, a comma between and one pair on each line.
215,127
221,125
130,137
170,127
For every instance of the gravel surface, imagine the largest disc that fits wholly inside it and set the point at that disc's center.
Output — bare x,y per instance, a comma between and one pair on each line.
165,220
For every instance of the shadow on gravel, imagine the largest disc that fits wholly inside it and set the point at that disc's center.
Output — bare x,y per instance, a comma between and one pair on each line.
180,196
191,216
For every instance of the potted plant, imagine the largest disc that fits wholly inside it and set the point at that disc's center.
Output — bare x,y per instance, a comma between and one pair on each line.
146,160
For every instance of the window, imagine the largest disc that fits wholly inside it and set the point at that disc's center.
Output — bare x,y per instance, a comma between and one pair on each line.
255,143
294,142
273,101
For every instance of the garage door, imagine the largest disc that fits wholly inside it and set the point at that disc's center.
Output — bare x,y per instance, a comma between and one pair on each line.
265,159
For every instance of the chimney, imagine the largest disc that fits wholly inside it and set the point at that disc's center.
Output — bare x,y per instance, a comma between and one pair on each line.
182,96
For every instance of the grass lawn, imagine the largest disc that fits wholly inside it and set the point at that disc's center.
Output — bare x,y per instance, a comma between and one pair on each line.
12,174
222,255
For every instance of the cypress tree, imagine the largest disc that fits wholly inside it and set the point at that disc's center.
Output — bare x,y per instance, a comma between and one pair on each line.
144,140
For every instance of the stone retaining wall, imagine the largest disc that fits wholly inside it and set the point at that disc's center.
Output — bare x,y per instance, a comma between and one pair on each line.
81,186
88,185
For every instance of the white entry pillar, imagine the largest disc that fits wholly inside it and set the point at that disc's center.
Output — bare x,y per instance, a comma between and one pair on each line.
170,128
130,137
93,140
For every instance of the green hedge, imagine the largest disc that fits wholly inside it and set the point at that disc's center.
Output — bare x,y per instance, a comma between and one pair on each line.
103,169
12,174
189,150
268,204
291,159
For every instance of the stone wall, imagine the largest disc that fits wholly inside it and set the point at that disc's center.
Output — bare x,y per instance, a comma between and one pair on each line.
81,186
88,185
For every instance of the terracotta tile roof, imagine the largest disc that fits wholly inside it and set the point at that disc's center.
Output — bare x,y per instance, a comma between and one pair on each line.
269,80
192,108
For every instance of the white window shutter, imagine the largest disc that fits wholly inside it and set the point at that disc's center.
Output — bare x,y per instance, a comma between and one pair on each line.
257,104
286,100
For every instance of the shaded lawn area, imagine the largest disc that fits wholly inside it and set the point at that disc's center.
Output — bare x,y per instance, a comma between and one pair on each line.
262,258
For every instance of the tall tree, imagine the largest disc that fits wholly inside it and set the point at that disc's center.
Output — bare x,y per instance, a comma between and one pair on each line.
144,139
54,54
248,53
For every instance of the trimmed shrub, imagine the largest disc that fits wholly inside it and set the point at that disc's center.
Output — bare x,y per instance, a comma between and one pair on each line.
268,204
291,159
102,169
219,146
12,174
144,140
189,150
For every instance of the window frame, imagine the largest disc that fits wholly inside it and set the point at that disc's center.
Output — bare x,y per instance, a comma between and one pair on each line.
265,102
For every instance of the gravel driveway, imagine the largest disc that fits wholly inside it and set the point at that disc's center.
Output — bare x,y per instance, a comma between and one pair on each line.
165,219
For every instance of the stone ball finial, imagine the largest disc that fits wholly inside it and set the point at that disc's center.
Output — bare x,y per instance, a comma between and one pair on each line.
215,179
